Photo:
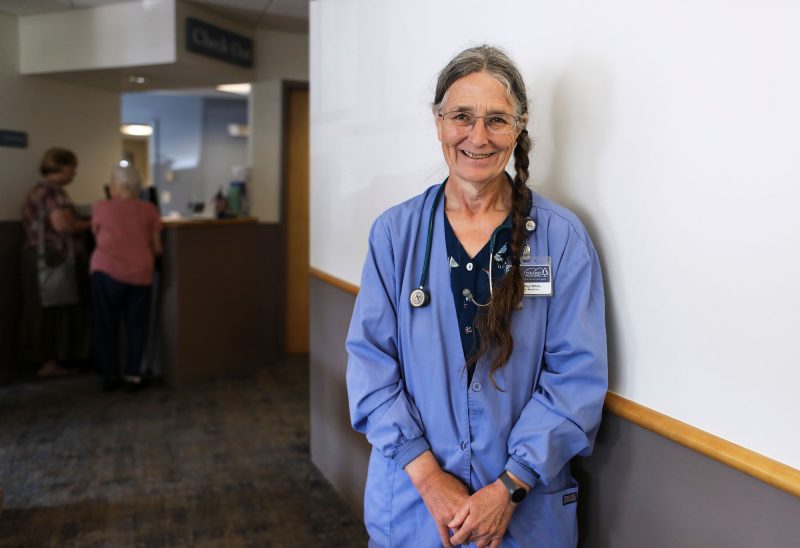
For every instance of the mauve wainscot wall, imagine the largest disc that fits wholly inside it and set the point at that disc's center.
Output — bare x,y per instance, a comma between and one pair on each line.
10,297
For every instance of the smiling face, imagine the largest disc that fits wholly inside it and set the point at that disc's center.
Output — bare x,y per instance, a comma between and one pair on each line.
475,155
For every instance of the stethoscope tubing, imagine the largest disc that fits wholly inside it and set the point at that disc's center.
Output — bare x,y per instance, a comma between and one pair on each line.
420,297
431,221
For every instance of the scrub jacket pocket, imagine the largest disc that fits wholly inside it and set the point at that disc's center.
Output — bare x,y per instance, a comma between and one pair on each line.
550,518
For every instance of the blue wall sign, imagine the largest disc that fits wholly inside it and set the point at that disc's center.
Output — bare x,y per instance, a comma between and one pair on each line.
13,139
224,45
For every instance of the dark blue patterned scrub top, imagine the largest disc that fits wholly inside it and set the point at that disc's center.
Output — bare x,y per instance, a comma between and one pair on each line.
473,274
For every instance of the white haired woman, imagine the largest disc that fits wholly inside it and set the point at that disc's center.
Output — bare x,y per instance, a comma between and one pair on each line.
128,234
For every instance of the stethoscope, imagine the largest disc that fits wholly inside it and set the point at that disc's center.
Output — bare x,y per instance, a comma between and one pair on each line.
421,296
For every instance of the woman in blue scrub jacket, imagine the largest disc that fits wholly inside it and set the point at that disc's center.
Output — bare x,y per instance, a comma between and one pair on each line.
477,349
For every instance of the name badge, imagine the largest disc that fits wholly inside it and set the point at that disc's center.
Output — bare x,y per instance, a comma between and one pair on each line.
537,276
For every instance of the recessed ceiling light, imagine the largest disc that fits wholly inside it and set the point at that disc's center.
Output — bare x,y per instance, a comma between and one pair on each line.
238,89
137,129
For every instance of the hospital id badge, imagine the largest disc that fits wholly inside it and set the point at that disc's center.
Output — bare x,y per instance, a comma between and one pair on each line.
537,276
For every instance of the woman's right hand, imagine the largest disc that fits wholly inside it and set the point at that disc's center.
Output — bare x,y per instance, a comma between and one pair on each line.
442,493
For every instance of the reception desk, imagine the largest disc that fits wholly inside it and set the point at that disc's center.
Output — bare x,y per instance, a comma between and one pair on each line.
209,306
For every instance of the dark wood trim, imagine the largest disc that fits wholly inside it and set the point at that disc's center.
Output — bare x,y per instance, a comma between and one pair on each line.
194,223
286,87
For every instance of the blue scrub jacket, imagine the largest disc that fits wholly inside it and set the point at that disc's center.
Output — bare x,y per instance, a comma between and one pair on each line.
408,388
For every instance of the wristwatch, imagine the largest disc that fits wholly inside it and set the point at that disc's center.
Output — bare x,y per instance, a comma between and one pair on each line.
517,493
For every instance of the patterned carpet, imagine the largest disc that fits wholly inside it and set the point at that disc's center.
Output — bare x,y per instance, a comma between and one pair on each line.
217,464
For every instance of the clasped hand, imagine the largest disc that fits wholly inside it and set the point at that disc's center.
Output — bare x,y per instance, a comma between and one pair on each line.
443,495
483,518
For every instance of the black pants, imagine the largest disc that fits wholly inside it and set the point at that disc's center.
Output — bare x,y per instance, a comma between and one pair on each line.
59,333
112,301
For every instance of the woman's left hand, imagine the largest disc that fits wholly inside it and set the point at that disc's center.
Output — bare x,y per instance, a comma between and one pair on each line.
484,517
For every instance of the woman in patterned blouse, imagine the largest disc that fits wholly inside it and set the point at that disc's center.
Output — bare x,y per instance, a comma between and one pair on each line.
51,336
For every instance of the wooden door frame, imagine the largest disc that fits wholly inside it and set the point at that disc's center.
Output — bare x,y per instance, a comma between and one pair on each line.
286,87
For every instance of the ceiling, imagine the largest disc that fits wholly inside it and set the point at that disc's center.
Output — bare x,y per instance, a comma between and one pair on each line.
285,15
289,15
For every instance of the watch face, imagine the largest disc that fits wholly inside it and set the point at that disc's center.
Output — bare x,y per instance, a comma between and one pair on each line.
518,495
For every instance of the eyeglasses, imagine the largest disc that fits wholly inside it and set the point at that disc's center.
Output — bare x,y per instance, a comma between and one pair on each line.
495,123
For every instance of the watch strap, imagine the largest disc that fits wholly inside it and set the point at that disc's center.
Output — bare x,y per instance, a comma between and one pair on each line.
516,492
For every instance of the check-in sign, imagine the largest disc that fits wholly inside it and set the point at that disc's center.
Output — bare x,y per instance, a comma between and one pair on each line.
223,45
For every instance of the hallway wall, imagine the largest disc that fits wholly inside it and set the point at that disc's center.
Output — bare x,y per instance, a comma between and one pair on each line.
669,129
644,126
280,56
52,113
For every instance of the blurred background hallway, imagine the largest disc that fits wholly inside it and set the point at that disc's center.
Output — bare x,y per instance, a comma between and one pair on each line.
214,464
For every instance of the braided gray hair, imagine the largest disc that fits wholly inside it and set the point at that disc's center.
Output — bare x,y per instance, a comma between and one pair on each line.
494,62
494,322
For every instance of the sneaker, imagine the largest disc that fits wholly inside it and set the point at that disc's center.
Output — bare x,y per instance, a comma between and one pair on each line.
132,385
52,368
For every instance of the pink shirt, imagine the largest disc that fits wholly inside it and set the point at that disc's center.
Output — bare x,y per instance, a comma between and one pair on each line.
124,232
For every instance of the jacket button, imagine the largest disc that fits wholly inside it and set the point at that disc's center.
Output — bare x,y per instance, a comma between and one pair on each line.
476,386
463,445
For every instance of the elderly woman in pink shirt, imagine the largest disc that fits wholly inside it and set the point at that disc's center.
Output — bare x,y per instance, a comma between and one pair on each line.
128,234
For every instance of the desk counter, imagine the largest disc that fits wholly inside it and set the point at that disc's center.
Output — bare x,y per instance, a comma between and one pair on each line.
209,313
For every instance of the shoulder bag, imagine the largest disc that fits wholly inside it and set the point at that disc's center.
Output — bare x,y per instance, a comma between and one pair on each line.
58,284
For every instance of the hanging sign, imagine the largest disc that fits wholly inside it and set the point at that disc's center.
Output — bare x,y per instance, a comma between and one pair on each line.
223,45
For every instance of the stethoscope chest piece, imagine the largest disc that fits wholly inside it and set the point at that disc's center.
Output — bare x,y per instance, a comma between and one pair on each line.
530,224
419,298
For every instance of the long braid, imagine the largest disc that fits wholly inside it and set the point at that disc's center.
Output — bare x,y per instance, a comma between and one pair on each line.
494,322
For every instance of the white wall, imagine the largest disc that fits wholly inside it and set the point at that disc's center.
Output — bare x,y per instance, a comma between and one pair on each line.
280,56
117,35
53,114
670,127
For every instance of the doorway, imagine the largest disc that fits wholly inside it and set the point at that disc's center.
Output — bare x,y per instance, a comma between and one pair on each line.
136,151
295,217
